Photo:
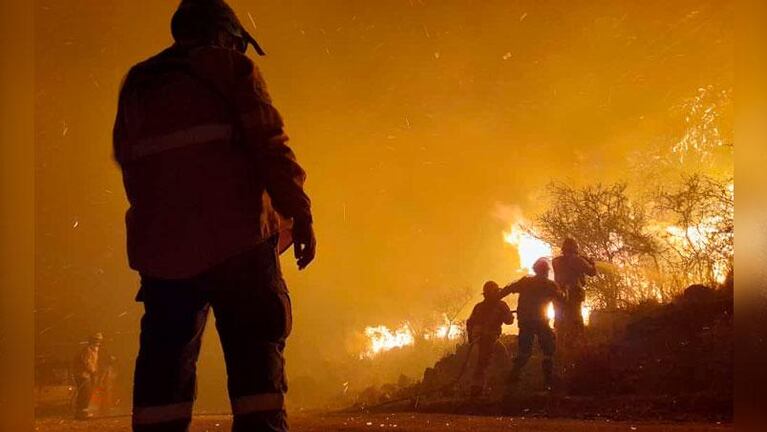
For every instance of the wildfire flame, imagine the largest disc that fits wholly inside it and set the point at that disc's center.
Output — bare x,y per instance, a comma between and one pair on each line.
551,314
698,237
529,248
446,331
381,338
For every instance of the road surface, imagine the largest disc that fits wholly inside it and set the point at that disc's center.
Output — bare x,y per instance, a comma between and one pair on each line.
415,422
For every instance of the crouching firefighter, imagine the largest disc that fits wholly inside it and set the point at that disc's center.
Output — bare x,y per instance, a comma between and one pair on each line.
206,170
535,294
484,327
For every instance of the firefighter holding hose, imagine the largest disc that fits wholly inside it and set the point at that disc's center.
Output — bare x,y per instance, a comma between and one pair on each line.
570,271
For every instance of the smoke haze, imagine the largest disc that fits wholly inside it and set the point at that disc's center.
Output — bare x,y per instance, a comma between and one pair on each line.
413,119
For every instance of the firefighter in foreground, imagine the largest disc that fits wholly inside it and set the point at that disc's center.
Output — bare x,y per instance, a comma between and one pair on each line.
206,170
484,327
570,271
535,294
85,370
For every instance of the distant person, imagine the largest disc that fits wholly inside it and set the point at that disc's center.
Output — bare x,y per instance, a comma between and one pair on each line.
207,169
535,294
570,271
107,378
484,326
85,371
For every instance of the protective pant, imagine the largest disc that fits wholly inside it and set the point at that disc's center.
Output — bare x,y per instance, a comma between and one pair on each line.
84,385
253,319
486,344
547,341
570,326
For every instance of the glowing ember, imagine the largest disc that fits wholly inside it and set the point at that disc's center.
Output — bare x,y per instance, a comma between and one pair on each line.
530,249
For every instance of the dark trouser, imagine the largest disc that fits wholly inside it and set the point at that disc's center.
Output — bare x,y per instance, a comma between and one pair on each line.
569,322
485,345
84,385
253,319
547,341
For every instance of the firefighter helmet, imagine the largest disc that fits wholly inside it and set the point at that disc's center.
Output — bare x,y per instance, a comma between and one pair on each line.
570,245
201,19
541,267
490,289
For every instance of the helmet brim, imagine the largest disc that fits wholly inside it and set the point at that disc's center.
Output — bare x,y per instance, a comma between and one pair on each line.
252,41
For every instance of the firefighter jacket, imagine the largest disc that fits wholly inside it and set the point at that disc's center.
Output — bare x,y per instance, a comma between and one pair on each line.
570,273
86,362
204,159
488,318
535,294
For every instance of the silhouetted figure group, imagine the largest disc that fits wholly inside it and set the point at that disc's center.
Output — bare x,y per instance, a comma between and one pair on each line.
535,293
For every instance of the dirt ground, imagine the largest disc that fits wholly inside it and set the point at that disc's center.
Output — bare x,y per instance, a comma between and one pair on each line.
411,422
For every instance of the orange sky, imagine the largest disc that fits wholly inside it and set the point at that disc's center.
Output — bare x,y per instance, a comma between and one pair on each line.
415,119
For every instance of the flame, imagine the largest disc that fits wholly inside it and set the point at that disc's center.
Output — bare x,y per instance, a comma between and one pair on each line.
698,237
382,339
551,314
585,313
446,331
529,248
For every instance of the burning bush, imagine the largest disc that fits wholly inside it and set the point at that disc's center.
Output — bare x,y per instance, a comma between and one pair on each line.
648,250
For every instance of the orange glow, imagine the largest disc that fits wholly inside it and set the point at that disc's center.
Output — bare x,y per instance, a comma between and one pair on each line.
384,339
529,248
551,314
413,119
381,338
586,313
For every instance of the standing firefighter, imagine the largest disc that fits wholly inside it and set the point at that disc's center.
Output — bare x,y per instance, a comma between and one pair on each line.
484,327
535,294
85,372
206,168
570,271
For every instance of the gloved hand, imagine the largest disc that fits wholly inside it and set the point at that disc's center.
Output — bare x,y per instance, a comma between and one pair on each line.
304,243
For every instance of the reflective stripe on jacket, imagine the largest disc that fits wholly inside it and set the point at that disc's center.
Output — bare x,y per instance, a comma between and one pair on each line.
204,160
